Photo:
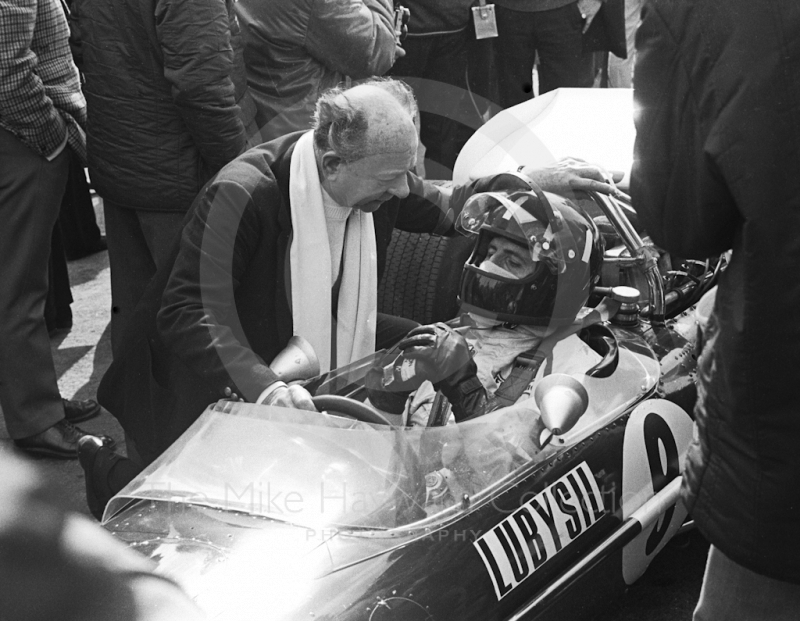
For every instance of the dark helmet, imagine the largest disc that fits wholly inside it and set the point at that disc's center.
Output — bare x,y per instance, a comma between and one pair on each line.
562,246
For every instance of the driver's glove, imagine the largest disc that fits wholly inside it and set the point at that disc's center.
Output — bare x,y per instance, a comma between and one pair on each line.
465,392
436,353
425,353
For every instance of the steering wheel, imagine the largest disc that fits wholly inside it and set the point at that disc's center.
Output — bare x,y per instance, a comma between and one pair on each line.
350,407
409,495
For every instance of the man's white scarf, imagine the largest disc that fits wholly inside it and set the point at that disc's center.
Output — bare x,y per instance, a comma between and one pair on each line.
310,263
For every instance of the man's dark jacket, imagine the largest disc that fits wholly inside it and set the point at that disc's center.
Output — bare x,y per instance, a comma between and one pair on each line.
167,97
212,320
717,159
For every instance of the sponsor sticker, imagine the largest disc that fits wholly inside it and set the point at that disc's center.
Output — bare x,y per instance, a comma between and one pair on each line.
587,247
408,369
537,531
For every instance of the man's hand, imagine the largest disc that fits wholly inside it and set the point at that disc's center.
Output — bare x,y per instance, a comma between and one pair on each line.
294,396
573,174
588,9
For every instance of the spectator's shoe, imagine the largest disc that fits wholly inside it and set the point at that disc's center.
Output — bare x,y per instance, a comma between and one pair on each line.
76,411
96,459
60,441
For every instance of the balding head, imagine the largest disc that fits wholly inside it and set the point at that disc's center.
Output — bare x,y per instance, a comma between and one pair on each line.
366,143
368,119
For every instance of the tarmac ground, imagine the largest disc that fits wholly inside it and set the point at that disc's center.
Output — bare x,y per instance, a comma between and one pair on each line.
667,592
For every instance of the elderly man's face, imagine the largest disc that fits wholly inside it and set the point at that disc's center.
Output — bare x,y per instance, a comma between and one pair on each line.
368,182
512,257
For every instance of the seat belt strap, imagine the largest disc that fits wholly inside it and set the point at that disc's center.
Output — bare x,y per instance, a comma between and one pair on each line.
522,373
527,364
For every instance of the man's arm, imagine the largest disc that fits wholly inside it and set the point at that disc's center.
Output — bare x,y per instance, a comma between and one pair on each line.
198,62
25,108
199,320
432,206
676,187
572,174
353,37
198,310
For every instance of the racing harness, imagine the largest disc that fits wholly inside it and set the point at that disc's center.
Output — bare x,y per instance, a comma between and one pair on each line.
527,364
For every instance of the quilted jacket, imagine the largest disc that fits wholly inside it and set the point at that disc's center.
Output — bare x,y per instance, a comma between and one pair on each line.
295,49
167,97
718,92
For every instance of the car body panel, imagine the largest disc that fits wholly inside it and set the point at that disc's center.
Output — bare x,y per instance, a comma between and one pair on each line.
595,125
308,515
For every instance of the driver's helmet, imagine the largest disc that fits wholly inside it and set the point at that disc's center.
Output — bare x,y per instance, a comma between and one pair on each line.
558,256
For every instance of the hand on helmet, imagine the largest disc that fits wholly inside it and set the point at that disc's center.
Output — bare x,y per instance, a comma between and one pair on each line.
573,174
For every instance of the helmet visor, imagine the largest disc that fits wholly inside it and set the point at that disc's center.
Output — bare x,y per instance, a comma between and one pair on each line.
509,299
525,218
531,260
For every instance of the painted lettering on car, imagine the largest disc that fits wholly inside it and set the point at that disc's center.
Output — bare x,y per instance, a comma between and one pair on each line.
516,547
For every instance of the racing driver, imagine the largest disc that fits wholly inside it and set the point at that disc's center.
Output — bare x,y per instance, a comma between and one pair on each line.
535,259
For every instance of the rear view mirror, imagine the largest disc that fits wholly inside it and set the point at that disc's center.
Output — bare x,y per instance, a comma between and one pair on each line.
297,361
562,400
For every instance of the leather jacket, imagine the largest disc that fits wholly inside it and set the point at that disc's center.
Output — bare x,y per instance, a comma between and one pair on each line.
296,49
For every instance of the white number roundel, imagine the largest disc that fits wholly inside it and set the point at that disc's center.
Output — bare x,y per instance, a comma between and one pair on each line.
656,440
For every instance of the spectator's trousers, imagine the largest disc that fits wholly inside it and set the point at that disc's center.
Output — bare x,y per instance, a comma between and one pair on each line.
30,197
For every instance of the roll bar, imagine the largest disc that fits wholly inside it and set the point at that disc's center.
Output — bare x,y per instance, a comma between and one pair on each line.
614,208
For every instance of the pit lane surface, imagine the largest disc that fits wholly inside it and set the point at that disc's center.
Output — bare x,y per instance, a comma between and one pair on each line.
667,592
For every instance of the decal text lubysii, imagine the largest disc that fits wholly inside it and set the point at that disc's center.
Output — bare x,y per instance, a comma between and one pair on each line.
540,529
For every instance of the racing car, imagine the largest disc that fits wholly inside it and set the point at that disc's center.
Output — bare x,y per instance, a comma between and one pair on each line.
262,512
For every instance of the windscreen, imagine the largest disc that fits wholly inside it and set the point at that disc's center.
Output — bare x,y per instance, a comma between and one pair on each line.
318,470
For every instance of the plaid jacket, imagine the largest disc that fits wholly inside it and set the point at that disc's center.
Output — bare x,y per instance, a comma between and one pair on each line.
40,92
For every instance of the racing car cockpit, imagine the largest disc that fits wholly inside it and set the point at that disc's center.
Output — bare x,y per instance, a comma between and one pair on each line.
535,261
462,408
482,469
332,513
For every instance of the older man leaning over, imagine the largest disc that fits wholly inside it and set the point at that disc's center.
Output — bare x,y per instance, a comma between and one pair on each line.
289,238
